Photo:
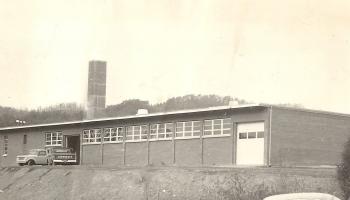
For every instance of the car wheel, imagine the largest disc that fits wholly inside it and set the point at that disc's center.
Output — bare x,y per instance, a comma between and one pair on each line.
31,162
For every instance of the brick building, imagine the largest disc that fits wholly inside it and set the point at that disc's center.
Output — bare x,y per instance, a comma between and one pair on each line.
254,135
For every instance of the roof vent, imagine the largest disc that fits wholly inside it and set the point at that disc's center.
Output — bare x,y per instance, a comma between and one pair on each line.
233,103
142,112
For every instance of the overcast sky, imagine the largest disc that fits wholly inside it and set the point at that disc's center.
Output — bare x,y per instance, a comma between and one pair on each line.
272,51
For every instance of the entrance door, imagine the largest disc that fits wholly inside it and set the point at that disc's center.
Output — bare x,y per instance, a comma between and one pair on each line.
74,143
250,143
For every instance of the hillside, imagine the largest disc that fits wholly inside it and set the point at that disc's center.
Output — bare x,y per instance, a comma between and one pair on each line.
81,182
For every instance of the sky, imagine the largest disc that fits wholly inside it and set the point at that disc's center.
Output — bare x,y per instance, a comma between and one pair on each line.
271,51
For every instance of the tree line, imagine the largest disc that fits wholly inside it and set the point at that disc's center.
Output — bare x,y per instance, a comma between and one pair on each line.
74,112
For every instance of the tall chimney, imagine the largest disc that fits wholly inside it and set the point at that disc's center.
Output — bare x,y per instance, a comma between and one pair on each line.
96,99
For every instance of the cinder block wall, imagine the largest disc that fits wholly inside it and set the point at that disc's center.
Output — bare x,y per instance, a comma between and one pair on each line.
302,138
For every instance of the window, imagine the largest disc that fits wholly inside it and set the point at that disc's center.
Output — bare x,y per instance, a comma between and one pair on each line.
161,131
251,135
6,141
24,139
136,133
217,127
113,134
260,134
92,136
53,138
242,135
42,153
188,129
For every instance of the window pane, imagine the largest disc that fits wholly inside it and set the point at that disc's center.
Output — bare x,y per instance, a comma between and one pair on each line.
217,126
196,133
169,135
153,136
188,124
196,124
129,130
207,127
242,135
128,138
179,134
251,135
217,132
188,128
217,122
207,132
208,122
260,134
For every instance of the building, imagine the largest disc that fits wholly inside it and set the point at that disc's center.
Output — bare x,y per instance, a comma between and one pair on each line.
236,135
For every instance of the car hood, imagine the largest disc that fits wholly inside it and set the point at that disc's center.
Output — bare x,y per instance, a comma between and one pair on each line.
25,155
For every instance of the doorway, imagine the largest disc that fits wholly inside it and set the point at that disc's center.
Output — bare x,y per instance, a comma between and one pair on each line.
74,143
250,143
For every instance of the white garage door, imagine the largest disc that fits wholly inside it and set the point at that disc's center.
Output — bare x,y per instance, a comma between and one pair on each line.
250,143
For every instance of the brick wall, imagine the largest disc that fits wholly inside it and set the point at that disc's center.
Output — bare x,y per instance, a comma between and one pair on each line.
217,151
307,138
161,152
113,154
209,151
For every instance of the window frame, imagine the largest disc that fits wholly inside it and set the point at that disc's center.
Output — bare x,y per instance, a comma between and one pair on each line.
142,131
222,128
184,131
157,132
59,138
119,135
95,138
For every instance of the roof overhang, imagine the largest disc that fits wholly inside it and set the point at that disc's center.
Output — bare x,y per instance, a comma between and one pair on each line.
217,108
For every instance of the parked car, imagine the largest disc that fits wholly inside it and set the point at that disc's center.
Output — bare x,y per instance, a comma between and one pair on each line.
34,157
302,196
62,155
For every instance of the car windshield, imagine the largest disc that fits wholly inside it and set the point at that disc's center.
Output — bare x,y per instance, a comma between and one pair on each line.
33,152
62,150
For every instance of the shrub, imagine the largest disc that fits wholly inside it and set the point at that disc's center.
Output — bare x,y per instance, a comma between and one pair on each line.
344,171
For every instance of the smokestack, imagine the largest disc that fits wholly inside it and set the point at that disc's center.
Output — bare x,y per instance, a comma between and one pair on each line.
96,99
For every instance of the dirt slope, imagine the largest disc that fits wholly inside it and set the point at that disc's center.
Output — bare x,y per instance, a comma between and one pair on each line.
79,182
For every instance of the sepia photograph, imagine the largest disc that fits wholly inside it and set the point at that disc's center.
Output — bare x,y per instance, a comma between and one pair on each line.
175,100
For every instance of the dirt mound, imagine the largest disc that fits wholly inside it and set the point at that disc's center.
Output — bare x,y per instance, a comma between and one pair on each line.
160,183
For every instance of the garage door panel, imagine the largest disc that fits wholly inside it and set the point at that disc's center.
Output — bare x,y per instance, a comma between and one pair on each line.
250,143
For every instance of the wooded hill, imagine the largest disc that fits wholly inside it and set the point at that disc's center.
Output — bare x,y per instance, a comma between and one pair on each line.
72,111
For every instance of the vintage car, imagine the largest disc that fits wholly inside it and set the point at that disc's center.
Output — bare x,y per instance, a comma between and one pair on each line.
62,155
302,196
34,157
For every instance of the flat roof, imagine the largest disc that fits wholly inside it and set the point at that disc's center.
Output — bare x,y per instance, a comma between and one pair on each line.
216,108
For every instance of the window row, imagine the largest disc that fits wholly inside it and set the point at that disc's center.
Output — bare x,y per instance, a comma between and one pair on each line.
251,135
160,131
53,138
